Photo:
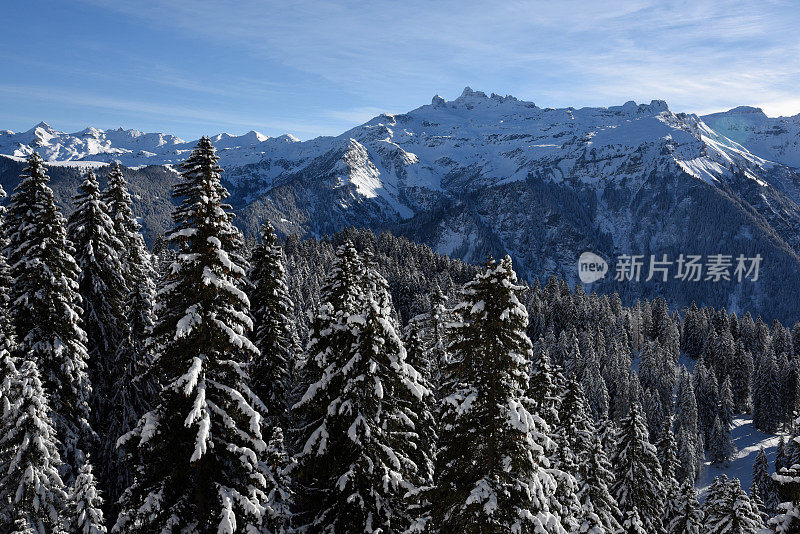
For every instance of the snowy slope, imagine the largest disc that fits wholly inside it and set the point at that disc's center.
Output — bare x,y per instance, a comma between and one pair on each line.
748,441
773,138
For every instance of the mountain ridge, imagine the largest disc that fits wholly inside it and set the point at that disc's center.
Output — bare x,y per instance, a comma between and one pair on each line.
481,175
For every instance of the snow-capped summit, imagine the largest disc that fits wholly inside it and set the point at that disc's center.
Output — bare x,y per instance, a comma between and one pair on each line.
772,138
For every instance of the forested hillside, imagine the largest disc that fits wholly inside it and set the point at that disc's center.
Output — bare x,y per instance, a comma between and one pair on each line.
357,383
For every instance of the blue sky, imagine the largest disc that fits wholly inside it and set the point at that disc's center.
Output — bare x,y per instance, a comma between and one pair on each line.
311,67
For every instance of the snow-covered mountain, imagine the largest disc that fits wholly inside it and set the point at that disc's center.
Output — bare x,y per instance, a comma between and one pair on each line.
483,175
773,138
129,147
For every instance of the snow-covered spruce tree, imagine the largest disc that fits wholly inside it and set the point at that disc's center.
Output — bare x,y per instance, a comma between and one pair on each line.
617,374
657,378
564,501
85,503
330,337
781,458
766,394
135,388
787,482
633,523
599,510
721,447
102,289
741,378
693,332
758,504
546,392
274,332
688,517
357,461
7,338
707,394
491,468
667,456
432,332
544,384
137,267
119,204
728,509
32,495
45,307
638,484
596,392
199,451
687,434
426,425
763,483
789,387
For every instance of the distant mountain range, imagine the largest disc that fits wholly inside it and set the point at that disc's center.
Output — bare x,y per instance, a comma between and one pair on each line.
483,175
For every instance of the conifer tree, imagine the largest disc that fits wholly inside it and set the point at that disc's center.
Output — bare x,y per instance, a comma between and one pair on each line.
547,393
657,378
544,384
617,377
633,523
758,504
721,447
787,483
491,468
86,515
274,333
330,336
692,335
781,458
7,338
687,434
435,335
596,392
356,462
727,408
766,394
32,495
688,517
45,307
102,288
588,463
423,409
707,395
741,378
199,450
667,456
728,509
763,484
638,472
789,387
135,386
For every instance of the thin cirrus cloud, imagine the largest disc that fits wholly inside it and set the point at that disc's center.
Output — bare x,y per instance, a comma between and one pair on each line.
318,67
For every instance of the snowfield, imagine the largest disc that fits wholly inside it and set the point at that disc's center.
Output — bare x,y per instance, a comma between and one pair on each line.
748,441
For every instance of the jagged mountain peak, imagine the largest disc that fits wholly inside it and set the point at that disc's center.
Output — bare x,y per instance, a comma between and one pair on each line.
41,126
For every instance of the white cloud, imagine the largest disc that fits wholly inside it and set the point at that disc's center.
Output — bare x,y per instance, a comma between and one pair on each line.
696,54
